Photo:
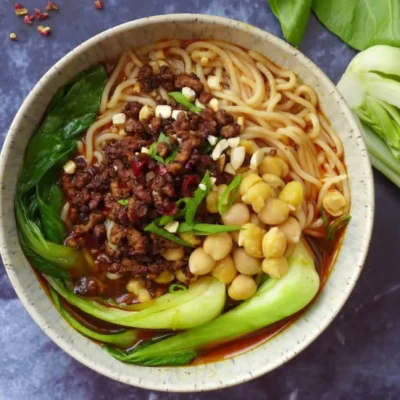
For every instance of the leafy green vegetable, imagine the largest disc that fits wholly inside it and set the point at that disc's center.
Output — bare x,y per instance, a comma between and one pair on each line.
152,227
205,229
123,202
181,99
38,199
361,24
371,87
202,302
72,111
229,196
293,16
163,138
199,195
275,299
124,339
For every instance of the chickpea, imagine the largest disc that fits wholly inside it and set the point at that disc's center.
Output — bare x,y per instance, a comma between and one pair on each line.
173,254
133,286
274,212
289,251
270,165
180,275
274,243
250,237
273,181
334,203
293,194
284,167
225,270
245,263
257,195
190,238
291,229
212,202
165,277
275,267
200,263
238,215
242,287
218,246
143,296
247,182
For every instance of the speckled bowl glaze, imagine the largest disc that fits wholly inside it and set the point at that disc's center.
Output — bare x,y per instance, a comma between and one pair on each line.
283,346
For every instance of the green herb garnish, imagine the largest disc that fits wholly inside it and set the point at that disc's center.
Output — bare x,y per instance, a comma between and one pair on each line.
181,99
198,197
123,202
229,196
336,226
152,227
163,138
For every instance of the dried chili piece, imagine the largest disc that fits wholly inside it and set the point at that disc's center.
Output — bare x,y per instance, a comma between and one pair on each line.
98,4
138,166
41,16
44,30
20,9
13,36
51,5
29,18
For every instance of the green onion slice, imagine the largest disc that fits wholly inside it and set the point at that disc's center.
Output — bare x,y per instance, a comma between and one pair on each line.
123,202
336,226
198,197
152,227
181,99
229,196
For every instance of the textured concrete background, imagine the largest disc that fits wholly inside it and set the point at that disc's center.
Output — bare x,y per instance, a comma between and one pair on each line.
357,357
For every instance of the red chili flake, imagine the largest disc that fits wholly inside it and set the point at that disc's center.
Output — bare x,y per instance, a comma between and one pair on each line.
13,36
98,4
40,16
28,19
51,5
20,9
191,180
44,30
138,166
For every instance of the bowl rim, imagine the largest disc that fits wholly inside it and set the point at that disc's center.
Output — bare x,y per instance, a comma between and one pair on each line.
227,23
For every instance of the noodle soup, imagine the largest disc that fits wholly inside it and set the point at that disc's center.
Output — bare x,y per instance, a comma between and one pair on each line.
193,205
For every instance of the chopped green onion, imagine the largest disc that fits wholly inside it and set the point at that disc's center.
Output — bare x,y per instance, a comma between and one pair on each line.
206,229
324,218
198,197
166,219
181,99
163,138
152,227
123,202
177,287
229,196
337,225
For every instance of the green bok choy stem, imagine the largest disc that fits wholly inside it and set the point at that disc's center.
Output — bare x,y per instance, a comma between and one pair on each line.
202,302
276,299
123,339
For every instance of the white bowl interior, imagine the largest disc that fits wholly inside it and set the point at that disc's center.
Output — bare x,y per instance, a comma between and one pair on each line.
283,346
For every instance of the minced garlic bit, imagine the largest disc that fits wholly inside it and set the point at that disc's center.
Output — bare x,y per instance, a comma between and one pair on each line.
234,142
220,147
189,93
214,104
144,150
69,167
199,104
229,169
256,159
238,155
202,186
175,113
212,140
172,227
213,180
119,119
214,82
13,36
163,111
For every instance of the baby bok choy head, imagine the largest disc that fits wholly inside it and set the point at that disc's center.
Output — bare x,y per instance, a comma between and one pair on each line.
371,87
276,299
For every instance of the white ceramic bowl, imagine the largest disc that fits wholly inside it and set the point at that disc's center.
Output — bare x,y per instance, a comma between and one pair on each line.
283,346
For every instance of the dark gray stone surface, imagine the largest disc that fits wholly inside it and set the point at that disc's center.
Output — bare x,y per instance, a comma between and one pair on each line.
357,357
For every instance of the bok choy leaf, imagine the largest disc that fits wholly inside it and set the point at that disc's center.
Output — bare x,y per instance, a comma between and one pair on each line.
371,87
275,299
38,198
202,302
